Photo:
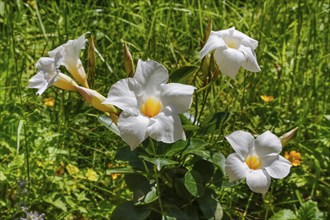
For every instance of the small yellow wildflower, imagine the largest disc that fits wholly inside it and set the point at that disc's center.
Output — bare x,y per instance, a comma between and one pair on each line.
91,175
294,157
72,169
267,98
113,175
49,102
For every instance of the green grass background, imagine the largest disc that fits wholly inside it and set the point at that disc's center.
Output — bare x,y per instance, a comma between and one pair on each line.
37,141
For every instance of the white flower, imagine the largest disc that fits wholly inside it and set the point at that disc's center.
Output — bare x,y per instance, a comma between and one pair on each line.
47,73
150,106
233,49
70,52
257,160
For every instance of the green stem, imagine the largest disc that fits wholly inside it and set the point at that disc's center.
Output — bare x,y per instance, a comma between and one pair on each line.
247,206
157,178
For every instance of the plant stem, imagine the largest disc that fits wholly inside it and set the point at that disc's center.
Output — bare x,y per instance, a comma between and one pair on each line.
156,177
247,206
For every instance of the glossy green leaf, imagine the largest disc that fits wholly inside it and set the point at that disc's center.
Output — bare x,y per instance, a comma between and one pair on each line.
219,160
214,122
150,196
205,169
193,182
181,75
159,162
176,148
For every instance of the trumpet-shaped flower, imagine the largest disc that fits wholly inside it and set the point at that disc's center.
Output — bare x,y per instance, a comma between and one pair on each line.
233,49
95,99
256,160
48,74
70,52
150,106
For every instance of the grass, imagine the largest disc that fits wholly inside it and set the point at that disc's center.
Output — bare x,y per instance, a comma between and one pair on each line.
38,142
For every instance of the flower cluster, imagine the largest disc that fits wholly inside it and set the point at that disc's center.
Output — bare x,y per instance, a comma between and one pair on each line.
146,105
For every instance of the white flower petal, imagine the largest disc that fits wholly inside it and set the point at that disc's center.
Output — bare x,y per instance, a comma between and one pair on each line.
279,168
236,168
241,142
166,127
229,61
123,94
70,52
267,143
245,40
46,75
150,75
177,96
133,128
38,82
258,181
53,52
214,42
250,62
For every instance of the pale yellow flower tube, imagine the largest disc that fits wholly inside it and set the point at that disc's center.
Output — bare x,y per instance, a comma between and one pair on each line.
95,99
64,82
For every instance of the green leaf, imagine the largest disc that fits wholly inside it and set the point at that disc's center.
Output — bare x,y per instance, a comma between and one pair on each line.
176,148
144,191
217,178
60,204
219,160
284,214
181,189
193,182
195,146
190,127
121,170
208,205
181,75
205,169
159,162
214,122
151,196
132,157
2,176
309,210
175,214
129,211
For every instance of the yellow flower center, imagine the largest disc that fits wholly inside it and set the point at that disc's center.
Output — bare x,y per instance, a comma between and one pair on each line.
253,162
151,107
232,45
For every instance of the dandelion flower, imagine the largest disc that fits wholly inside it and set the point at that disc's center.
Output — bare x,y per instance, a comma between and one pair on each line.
233,50
150,106
256,160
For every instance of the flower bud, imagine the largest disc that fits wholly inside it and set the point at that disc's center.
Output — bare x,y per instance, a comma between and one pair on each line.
207,33
91,60
95,99
128,62
285,138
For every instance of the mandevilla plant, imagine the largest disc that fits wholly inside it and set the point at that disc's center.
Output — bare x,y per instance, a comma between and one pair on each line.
172,171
